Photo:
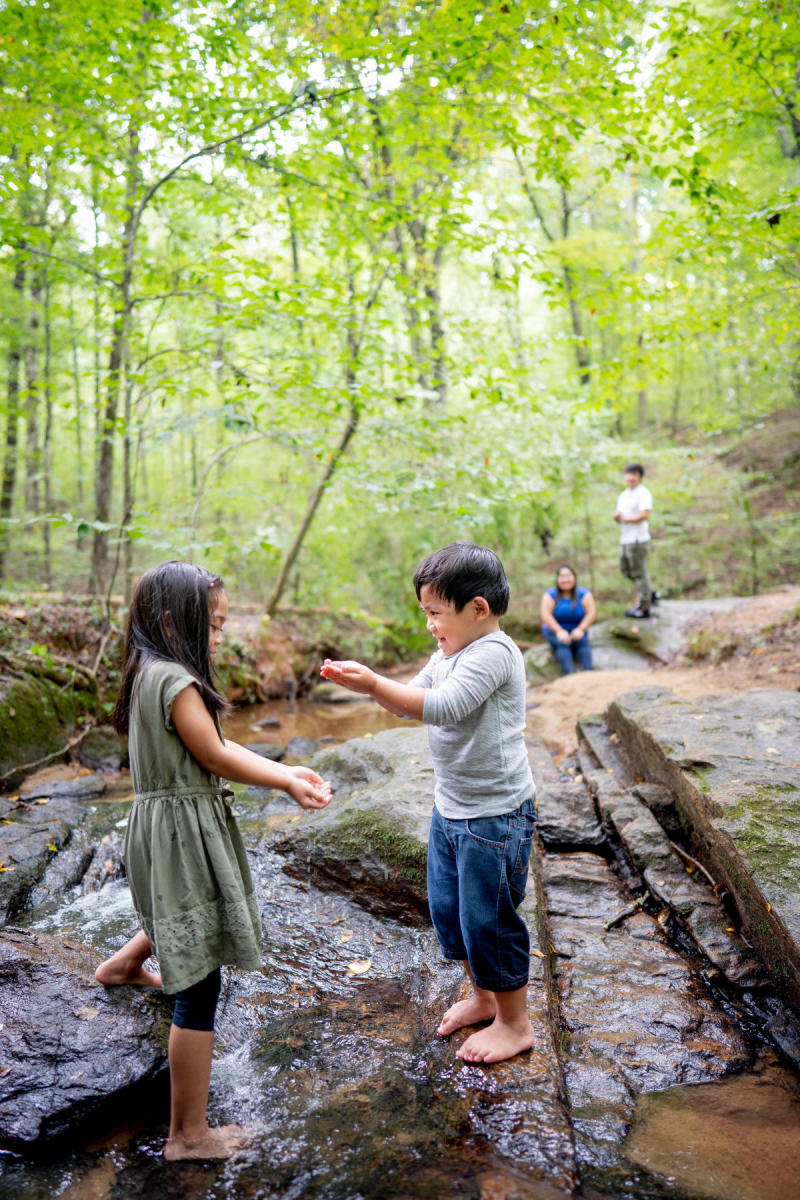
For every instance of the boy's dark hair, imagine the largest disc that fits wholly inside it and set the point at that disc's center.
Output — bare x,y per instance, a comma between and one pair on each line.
169,621
637,467
460,572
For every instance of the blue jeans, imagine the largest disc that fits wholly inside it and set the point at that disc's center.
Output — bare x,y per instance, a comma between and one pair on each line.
477,872
566,654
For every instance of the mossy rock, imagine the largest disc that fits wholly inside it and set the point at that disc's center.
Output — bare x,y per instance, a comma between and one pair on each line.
372,841
37,717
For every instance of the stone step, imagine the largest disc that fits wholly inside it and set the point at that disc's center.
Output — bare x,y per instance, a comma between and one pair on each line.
682,888
633,1016
598,746
566,814
731,763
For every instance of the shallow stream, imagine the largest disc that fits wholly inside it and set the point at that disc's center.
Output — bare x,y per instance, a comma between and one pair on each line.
351,1093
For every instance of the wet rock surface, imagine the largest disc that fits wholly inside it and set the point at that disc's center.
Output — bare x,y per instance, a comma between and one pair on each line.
31,834
103,749
373,839
732,764
68,1046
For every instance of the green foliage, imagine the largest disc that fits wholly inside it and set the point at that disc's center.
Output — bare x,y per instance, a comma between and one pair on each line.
337,286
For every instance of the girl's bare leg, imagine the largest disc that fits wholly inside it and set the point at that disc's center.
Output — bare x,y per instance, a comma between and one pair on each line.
190,1052
126,966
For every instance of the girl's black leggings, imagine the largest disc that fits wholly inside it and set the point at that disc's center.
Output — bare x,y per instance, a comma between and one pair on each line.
195,1006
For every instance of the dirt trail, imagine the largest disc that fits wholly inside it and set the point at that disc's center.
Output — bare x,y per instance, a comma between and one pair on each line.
756,644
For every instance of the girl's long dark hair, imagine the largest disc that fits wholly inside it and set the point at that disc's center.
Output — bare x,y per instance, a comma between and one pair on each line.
169,620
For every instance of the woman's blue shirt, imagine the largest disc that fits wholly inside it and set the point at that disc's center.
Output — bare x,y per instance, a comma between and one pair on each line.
568,612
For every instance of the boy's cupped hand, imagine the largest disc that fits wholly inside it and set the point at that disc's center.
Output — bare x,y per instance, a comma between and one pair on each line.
352,675
309,789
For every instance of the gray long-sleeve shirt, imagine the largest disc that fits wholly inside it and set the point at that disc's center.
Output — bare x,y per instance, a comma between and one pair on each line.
475,709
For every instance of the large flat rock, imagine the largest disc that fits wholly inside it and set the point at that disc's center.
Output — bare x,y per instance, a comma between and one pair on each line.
732,763
69,1048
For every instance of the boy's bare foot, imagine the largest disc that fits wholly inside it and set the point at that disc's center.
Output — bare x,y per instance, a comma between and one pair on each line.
118,970
223,1142
471,1011
497,1043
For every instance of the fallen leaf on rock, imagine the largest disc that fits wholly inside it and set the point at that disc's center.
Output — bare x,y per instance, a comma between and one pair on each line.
108,866
537,954
769,907
85,1013
359,966
771,750
43,800
347,934
4,1071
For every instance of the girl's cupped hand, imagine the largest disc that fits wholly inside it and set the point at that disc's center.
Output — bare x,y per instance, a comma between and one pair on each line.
308,788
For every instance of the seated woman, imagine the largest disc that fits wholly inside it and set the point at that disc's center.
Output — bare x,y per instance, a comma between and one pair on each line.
567,613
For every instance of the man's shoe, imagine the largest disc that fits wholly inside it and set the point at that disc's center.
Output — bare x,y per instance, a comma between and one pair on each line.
639,613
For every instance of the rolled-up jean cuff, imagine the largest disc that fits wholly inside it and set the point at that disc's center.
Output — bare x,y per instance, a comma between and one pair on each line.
488,986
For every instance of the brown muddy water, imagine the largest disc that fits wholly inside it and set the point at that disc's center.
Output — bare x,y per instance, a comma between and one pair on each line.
351,1094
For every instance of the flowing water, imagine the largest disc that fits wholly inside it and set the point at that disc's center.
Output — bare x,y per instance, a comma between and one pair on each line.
350,1093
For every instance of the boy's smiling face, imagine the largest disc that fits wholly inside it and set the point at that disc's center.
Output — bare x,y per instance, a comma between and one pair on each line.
455,630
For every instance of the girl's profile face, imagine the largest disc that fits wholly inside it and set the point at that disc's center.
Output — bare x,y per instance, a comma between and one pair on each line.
216,621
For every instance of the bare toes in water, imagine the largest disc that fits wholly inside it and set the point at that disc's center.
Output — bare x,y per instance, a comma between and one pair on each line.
471,1011
224,1142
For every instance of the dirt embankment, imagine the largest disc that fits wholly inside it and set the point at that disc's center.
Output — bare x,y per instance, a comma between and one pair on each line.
756,644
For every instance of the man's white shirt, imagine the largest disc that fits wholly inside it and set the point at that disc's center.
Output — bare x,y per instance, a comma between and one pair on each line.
633,501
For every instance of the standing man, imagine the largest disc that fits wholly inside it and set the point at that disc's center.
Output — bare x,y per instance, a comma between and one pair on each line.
632,515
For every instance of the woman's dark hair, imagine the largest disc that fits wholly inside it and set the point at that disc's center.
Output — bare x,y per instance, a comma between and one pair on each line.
461,571
566,567
169,621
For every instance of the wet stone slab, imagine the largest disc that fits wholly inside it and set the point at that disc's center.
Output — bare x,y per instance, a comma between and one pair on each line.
69,1048
732,764
686,892
636,1017
566,814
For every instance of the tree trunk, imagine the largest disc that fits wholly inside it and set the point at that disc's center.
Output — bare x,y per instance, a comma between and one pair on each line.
9,476
313,505
436,325
48,430
354,414
105,456
76,380
33,453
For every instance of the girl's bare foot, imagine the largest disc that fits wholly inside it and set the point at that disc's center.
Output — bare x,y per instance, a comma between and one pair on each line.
471,1011
497,1043
138,977
223,1142
123,967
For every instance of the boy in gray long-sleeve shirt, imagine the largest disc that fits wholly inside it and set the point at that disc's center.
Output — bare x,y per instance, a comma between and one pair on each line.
471,694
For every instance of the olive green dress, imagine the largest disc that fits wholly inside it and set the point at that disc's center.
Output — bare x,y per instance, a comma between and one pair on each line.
184,855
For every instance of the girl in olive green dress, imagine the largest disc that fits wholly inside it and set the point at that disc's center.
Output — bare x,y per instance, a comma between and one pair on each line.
184,856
